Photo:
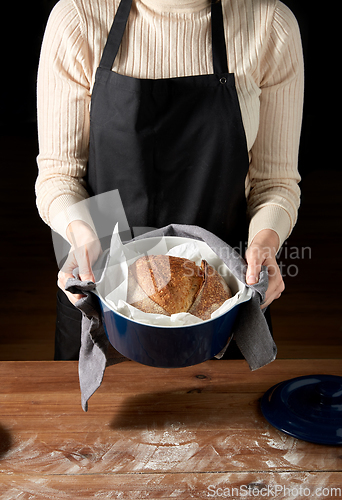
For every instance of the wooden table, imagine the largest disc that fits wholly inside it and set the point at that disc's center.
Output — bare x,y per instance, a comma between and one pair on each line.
152,433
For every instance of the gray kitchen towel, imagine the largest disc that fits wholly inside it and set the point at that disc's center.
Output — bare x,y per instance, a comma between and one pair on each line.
96,352
251,332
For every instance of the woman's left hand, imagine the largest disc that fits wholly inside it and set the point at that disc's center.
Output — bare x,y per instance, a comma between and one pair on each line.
262,252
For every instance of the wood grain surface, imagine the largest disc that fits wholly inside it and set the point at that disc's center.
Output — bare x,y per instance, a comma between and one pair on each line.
194,432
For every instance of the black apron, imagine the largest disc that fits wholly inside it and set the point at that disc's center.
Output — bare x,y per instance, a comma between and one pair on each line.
175,148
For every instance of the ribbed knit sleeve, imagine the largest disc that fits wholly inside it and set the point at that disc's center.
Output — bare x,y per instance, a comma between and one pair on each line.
273,175
165,38
63,100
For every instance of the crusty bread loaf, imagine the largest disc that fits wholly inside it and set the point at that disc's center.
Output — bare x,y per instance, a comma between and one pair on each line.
213,293
170,282
162,284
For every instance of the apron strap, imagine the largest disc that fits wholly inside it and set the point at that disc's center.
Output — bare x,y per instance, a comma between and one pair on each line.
119,24
115,35
218,38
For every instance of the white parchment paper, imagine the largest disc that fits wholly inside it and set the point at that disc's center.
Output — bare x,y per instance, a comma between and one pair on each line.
112,287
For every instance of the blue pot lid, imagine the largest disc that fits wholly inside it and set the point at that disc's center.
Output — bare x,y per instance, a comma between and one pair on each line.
307,408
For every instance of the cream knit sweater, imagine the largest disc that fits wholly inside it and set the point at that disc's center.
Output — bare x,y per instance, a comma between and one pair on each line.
170,38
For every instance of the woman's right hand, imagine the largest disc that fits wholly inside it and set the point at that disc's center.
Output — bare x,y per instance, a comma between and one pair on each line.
84,252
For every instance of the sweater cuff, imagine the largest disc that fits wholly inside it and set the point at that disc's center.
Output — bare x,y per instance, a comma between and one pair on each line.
66,209
270,217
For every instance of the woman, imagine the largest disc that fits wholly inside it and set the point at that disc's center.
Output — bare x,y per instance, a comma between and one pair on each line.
195,116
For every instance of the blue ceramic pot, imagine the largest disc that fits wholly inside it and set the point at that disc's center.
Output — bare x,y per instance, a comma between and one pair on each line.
168,346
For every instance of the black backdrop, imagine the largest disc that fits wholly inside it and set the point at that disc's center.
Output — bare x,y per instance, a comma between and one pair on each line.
24,28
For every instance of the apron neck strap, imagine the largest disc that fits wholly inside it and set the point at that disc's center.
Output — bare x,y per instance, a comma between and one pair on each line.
119,24
115,35
218,38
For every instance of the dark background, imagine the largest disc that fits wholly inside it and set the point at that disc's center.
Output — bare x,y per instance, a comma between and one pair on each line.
23,41
28,267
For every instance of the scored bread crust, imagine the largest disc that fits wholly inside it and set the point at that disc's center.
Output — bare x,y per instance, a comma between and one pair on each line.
171,282
162,284
213,293
139,299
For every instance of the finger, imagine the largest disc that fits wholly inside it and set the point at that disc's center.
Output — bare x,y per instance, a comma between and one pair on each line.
73,297
85,270
253,270
68,268
62,279
272,294
255,259
269,301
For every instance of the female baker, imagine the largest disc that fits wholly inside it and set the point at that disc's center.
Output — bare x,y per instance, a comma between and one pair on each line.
191,110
